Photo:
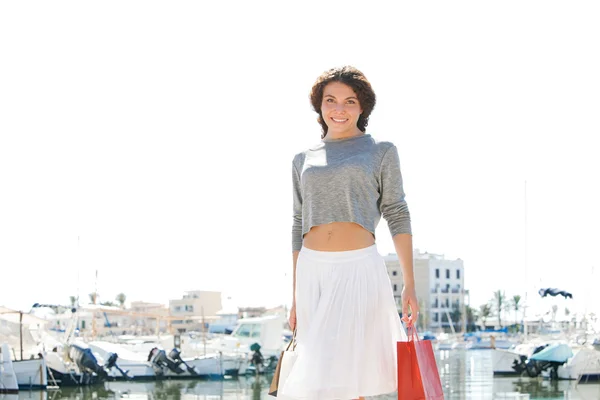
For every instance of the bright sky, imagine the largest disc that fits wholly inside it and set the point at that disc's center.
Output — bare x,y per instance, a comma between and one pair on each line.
152,141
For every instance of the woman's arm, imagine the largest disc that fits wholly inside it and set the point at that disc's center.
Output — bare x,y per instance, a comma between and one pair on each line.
296,235
395,210
404,250
292,319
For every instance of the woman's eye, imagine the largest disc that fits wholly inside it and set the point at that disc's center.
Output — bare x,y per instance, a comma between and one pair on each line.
351,102
329,100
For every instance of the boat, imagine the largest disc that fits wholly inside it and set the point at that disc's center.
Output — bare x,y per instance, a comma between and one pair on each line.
27,362
31,374
531,359
69,365
8,378
156,364
505,360
583,366
266,331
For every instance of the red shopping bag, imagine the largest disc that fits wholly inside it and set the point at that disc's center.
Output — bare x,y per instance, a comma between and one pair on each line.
418,377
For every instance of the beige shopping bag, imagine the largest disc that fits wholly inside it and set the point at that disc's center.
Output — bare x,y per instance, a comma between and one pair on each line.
284,366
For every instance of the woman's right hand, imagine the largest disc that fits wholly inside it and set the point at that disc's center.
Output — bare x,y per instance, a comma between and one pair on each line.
292,318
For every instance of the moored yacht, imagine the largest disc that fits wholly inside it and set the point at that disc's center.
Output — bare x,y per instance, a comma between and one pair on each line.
8,379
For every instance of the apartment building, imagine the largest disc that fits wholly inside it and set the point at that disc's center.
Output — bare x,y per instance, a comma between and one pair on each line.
194,309
440,288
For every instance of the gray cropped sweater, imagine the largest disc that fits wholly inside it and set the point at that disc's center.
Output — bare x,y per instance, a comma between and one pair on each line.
354,179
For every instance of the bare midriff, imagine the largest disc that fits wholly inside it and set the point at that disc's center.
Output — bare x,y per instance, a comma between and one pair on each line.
338,236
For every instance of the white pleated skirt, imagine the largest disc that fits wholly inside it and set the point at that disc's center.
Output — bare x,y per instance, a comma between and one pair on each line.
347,327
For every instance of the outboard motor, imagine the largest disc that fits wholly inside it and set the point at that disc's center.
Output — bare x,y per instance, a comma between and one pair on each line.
112,363
544,358
159,360
535,368
175,355
525,365
257,359
86,362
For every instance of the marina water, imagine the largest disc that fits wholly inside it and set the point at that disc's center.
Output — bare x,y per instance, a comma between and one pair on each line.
464,375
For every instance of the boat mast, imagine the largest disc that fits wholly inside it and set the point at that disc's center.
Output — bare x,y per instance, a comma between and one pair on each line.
525,262
21,333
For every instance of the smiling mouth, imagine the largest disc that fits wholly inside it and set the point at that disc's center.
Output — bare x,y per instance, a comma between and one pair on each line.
339,121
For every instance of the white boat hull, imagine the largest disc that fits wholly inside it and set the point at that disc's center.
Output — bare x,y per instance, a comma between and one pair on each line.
138,368
503,361
583,366
31,374
8,378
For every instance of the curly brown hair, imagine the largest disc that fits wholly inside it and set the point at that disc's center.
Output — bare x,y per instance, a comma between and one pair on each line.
357,81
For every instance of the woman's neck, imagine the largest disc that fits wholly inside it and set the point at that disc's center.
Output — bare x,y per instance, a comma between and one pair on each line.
343,135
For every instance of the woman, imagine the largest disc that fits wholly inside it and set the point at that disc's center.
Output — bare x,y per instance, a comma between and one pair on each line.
343,305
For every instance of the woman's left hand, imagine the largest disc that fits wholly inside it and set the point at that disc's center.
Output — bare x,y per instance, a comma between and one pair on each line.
409,300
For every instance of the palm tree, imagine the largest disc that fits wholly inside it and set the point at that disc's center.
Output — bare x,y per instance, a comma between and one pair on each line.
515,303
485,311
499,299
554,311
471,317
455,314
93,297
121,299
73,300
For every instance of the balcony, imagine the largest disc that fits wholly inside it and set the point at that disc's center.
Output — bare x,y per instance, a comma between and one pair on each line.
447,290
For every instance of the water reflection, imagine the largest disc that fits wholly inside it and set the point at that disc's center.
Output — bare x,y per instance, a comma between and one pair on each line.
465,375
253,388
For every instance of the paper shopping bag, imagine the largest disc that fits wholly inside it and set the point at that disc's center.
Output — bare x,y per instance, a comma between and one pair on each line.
418,377
284,366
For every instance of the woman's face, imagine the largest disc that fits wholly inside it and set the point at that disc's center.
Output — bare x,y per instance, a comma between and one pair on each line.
340,108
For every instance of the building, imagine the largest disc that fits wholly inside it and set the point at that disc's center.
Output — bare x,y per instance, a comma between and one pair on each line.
144,318
251,312
395,272
195,310
440,288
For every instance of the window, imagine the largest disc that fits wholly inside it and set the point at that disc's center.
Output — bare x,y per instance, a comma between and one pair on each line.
447,303
244,330
395,287
255,331
248,330
447,274
458,274
435,317
394,273
437,273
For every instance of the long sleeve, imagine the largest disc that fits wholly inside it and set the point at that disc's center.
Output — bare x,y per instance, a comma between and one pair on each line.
297,216
393,205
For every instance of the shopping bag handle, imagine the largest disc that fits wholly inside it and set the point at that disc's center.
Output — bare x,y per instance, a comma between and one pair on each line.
411,332
292,341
